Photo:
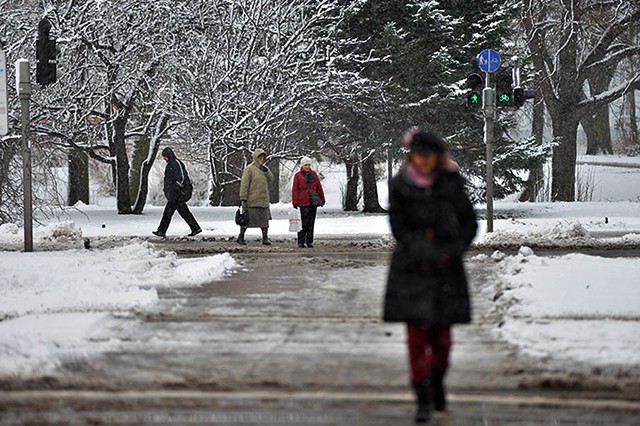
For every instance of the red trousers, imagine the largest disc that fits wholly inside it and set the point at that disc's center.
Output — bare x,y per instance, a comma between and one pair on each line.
429,348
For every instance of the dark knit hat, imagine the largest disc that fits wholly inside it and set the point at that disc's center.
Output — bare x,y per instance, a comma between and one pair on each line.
427,142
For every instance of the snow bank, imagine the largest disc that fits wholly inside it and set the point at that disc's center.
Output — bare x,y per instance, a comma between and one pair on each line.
556,234
35,345
53,236
577,307
561,234
85,280
54,304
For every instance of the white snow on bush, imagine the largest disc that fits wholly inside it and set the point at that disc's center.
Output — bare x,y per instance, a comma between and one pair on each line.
580,307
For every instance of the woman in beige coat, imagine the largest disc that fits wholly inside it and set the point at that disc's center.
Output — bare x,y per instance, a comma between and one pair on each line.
254,196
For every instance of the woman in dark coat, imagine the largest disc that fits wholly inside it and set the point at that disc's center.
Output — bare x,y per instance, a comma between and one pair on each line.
307,193
175,176
433,222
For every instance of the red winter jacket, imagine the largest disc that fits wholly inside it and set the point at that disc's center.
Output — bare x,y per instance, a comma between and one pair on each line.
300,193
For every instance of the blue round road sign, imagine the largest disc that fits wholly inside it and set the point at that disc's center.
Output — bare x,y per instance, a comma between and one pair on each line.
489,60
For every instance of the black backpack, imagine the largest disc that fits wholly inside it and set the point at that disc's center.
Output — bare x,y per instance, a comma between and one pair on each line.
184,187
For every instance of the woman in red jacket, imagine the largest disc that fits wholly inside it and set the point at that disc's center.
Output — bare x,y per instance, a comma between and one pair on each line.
307,194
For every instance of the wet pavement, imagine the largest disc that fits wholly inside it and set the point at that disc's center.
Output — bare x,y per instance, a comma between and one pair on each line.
295,338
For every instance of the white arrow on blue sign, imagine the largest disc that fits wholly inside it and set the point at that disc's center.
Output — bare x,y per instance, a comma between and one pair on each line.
489,60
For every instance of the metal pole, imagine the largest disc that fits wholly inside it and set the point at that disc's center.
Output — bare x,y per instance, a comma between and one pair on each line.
488,106
23,84
517,63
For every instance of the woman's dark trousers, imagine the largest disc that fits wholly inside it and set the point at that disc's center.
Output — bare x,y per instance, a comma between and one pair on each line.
308,218
183,211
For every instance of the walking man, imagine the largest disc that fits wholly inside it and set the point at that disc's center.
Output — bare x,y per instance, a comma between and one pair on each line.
177,189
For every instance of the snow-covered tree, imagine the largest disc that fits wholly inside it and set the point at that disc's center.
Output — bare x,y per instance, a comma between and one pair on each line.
17,35
424,49
575,42
253,70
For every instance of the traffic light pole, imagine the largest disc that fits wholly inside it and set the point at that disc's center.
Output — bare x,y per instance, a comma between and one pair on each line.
23,77
489,110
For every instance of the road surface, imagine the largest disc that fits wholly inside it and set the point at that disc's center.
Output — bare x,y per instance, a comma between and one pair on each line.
294,337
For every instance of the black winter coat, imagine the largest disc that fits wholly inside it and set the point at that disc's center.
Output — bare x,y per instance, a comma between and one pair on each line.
433,228
175,173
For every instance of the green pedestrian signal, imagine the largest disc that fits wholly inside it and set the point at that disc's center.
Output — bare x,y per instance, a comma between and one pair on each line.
473,99
475,84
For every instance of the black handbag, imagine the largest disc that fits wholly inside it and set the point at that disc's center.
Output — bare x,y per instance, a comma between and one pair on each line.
242,218
314,197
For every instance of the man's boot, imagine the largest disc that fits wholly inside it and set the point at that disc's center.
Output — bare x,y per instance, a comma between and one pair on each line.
437,388
423,414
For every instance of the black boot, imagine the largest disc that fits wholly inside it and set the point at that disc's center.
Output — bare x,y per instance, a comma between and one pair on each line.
265,237
437,388
240,239
423,414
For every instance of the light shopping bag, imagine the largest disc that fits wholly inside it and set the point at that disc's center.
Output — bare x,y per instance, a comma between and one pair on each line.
295,222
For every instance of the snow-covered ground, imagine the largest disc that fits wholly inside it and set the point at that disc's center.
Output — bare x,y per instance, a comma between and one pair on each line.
573,307
578,307
51,303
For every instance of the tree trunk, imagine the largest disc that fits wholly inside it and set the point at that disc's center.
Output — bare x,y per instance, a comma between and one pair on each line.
8,198
598,130
140,153
633,119
597,126
78,185
350,201
215,197
152,148
235,164
370,187
563,183
274,188
535,180
123,195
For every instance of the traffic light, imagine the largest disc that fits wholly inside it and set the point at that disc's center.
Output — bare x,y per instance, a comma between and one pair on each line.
520,95
45,55
504,89
475,84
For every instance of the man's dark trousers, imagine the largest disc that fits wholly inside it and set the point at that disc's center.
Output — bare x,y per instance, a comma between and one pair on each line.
183,211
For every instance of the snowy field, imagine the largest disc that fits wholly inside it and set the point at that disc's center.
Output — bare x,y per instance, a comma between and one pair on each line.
574,307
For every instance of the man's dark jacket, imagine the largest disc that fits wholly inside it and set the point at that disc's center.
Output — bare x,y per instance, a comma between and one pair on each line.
175,174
